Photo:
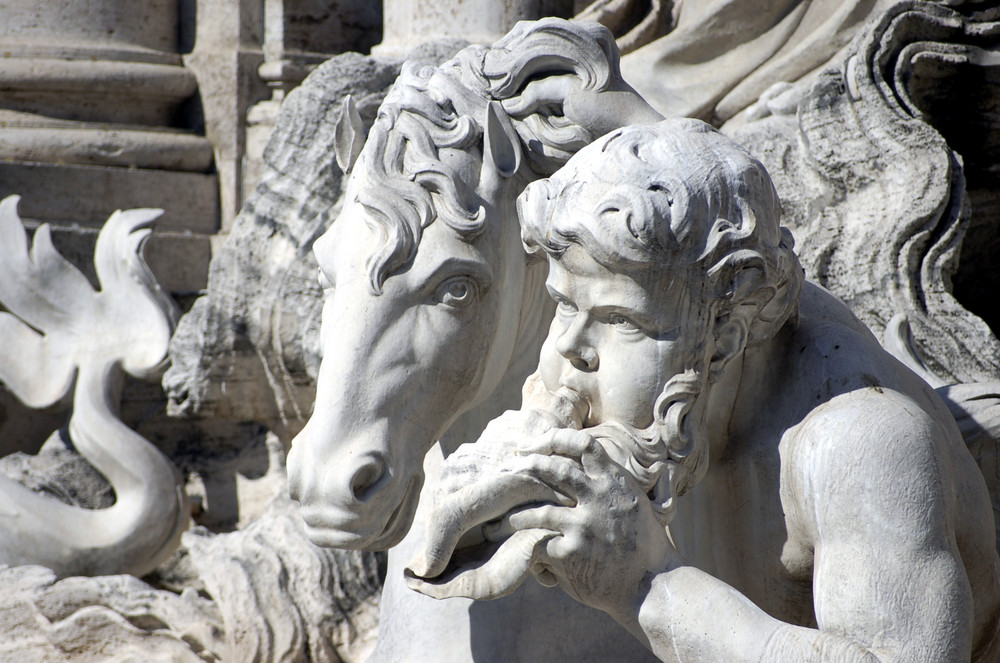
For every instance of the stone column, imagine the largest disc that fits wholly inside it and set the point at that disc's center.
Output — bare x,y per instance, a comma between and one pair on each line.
92,118
298,36
409,23
226,51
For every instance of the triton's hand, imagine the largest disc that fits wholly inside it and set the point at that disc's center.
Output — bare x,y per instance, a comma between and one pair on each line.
597,111
609,540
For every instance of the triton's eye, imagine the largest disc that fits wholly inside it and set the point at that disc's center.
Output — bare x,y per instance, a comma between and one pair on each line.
324,282
458,291
622,323
564,306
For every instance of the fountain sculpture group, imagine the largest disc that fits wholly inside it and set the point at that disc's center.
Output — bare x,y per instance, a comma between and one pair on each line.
577,376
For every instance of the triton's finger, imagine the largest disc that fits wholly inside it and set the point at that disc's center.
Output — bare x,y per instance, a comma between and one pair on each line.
544,517
559,442
563,475
463,471
500,575
538,93
473,505
559,548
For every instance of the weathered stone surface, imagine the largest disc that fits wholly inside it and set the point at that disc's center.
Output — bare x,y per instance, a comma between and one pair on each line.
409,23
116,618
96,114
188,199
58,470
281,598
876,196
71,26
264,594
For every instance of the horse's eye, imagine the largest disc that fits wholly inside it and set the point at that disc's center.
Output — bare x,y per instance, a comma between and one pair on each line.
457,291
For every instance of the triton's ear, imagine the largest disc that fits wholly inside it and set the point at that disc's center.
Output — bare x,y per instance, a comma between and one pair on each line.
501,144
731,338
348,135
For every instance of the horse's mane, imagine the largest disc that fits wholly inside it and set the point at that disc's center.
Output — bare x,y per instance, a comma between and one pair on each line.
401,178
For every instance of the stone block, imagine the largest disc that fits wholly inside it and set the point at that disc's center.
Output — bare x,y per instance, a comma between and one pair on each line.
86,195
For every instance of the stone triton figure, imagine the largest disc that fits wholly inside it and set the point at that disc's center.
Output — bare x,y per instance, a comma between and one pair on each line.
832,512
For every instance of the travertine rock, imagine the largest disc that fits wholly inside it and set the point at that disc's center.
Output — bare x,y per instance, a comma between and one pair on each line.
282,598
116,618
260,594
58,470
877,197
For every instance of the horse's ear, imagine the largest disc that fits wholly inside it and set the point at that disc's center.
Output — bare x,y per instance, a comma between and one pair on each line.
501,144
348,135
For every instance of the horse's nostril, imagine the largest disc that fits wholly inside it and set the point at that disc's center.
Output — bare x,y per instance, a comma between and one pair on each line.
366,478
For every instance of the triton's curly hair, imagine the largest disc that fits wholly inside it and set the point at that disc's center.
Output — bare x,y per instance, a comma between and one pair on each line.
683,199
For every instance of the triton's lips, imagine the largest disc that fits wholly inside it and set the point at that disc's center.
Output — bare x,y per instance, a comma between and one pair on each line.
332,527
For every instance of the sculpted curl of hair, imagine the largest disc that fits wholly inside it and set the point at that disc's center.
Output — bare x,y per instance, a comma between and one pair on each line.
684,200
402,177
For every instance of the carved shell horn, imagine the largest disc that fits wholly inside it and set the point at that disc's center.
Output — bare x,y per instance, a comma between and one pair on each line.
501,144
348,135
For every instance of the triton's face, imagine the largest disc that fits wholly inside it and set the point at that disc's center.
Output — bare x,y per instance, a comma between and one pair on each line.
616,339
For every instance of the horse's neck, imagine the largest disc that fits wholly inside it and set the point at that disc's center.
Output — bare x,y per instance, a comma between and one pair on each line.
536,315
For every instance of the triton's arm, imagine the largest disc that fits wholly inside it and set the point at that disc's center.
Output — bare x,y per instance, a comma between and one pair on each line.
888,582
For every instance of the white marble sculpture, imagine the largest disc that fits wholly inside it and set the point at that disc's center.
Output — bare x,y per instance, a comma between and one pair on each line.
429,289
59,334
755,478
388,266
906,108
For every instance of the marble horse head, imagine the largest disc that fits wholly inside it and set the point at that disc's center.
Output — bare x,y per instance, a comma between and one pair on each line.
431,304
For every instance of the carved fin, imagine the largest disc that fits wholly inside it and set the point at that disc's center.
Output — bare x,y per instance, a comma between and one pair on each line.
348,135
38,286
501,144
129,286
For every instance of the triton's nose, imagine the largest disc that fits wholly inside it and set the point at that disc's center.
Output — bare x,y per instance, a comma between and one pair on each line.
574,346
